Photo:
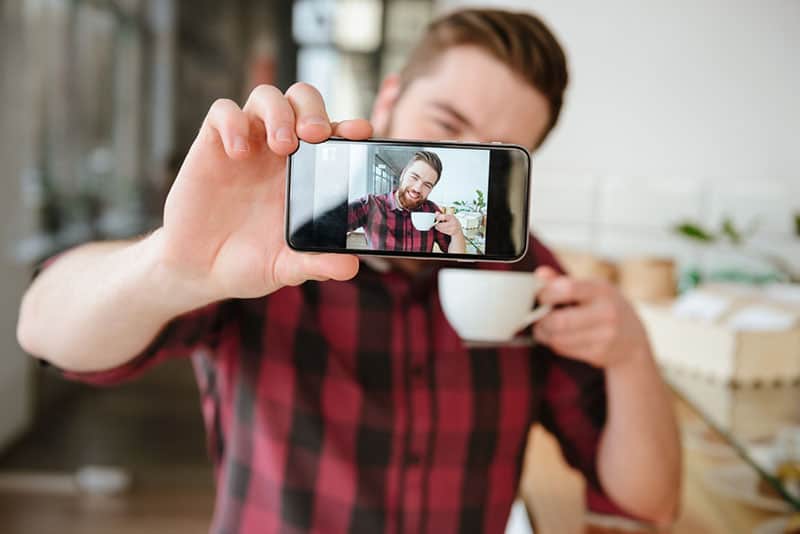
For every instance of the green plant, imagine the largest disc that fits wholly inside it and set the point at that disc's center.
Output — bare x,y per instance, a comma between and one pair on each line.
476,205
738,238
728,230
694,231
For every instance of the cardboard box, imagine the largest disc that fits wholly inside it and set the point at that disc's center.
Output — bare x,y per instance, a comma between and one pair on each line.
751,412
720,353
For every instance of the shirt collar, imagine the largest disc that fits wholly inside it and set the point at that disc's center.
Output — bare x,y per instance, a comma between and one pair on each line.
394,203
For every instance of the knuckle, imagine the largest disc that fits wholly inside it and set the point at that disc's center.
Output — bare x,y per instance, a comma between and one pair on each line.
221,104
263,90
266,97
302,88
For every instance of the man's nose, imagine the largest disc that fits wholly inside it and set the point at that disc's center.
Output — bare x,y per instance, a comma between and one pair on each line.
417,187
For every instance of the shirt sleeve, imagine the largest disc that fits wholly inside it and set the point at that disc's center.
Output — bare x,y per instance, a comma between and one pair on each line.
442,239
574,408
179,338
357,213
574,411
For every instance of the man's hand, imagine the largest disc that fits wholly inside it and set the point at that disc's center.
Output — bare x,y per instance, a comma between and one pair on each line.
101,304
599,326
224,217
448,224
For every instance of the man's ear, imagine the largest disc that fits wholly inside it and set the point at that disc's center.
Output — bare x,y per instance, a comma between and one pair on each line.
384,104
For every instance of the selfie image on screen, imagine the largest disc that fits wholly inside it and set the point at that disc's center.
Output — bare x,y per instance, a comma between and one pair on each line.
417,199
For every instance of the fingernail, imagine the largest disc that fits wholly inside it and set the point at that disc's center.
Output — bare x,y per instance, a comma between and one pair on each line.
284,134
240,144
316,121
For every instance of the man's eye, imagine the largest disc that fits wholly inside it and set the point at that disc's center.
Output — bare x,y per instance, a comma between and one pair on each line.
446,126
428,186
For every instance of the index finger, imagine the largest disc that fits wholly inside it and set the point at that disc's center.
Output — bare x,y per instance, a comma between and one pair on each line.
313,124
267,103
564,290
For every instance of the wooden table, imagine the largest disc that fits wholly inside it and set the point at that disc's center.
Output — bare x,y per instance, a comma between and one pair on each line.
553,493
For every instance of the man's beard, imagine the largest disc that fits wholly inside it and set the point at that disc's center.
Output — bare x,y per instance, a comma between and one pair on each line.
407,202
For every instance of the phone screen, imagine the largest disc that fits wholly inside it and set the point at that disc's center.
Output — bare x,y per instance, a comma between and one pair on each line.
402,198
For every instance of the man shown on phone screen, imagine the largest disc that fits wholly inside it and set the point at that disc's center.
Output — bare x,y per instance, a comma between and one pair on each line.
387,219
339,400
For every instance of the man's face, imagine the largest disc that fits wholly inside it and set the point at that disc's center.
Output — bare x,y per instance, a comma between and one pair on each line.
468,96
416,184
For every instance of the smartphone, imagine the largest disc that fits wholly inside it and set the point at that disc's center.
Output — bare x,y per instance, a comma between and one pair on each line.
412,199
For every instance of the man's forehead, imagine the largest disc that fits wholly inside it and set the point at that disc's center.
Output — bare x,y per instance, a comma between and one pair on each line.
498,103
422,169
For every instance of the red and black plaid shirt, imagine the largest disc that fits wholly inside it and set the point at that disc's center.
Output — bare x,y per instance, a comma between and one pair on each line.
354,407
387,225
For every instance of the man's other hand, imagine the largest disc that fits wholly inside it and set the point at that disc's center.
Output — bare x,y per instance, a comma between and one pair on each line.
448,224
597,325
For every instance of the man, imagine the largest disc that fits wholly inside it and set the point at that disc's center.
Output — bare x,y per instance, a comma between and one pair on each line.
352,406
387,218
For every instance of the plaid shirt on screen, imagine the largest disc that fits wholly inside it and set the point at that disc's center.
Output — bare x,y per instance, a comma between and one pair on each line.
354,407
388,226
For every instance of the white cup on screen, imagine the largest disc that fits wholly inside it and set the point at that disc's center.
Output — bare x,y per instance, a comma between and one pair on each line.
490,306
423,220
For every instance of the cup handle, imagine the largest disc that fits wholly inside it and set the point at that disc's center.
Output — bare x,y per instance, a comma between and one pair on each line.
535,315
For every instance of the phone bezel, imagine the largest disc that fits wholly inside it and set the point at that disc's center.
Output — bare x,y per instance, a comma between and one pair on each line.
418,255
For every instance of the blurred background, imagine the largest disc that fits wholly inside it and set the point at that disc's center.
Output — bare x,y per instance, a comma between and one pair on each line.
673,172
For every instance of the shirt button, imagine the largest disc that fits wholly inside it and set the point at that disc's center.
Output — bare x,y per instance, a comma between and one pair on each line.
413,459
418,371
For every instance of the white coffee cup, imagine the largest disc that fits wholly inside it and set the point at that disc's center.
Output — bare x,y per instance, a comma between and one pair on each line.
423,220
489,306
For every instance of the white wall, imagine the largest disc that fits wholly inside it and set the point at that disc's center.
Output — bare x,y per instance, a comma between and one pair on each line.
359,169
332,164
675,109
463,172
